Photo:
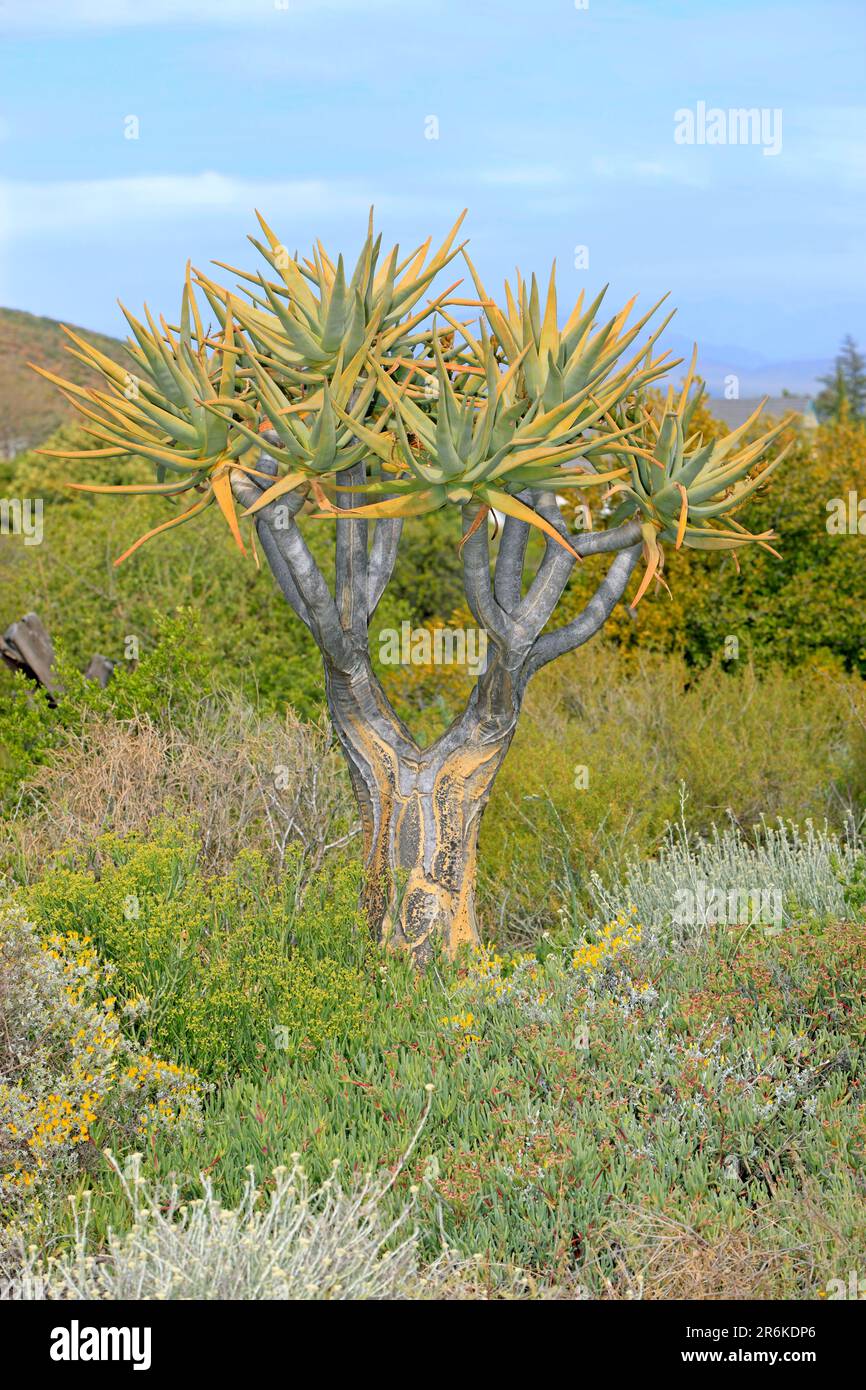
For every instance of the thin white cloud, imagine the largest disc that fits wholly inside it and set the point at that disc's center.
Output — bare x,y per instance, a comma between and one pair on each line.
649,171
523,176
61,16
114,205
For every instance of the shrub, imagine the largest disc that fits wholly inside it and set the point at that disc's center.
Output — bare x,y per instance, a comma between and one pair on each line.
70,1078
292,1241
763,602
89,605
597,766
223,971
241,776
171,681
28,730
811,873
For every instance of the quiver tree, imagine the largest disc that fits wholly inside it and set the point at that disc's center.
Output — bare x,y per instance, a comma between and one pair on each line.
365,399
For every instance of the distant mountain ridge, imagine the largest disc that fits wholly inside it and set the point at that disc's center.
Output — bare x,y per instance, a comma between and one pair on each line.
756,375
770,379
31,409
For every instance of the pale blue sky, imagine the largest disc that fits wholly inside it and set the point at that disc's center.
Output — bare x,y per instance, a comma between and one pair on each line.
556,128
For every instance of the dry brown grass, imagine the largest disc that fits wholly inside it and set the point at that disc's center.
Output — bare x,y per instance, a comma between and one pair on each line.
668,1259
789,1246
244,778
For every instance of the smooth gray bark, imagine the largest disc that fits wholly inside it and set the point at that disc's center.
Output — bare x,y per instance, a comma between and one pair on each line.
421,807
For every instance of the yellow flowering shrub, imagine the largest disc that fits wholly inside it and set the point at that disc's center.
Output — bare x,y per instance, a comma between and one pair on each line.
70,1081
463,1029
546,986
613,940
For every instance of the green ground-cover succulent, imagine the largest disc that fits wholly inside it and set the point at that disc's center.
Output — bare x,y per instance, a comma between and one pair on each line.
561,1108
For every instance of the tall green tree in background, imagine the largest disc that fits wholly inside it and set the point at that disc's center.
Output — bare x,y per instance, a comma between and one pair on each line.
362,399
845,387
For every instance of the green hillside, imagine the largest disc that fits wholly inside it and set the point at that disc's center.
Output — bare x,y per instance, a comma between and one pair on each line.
30,408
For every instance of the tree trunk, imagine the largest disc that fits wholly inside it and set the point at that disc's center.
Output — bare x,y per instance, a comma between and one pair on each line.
421,811
421,808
